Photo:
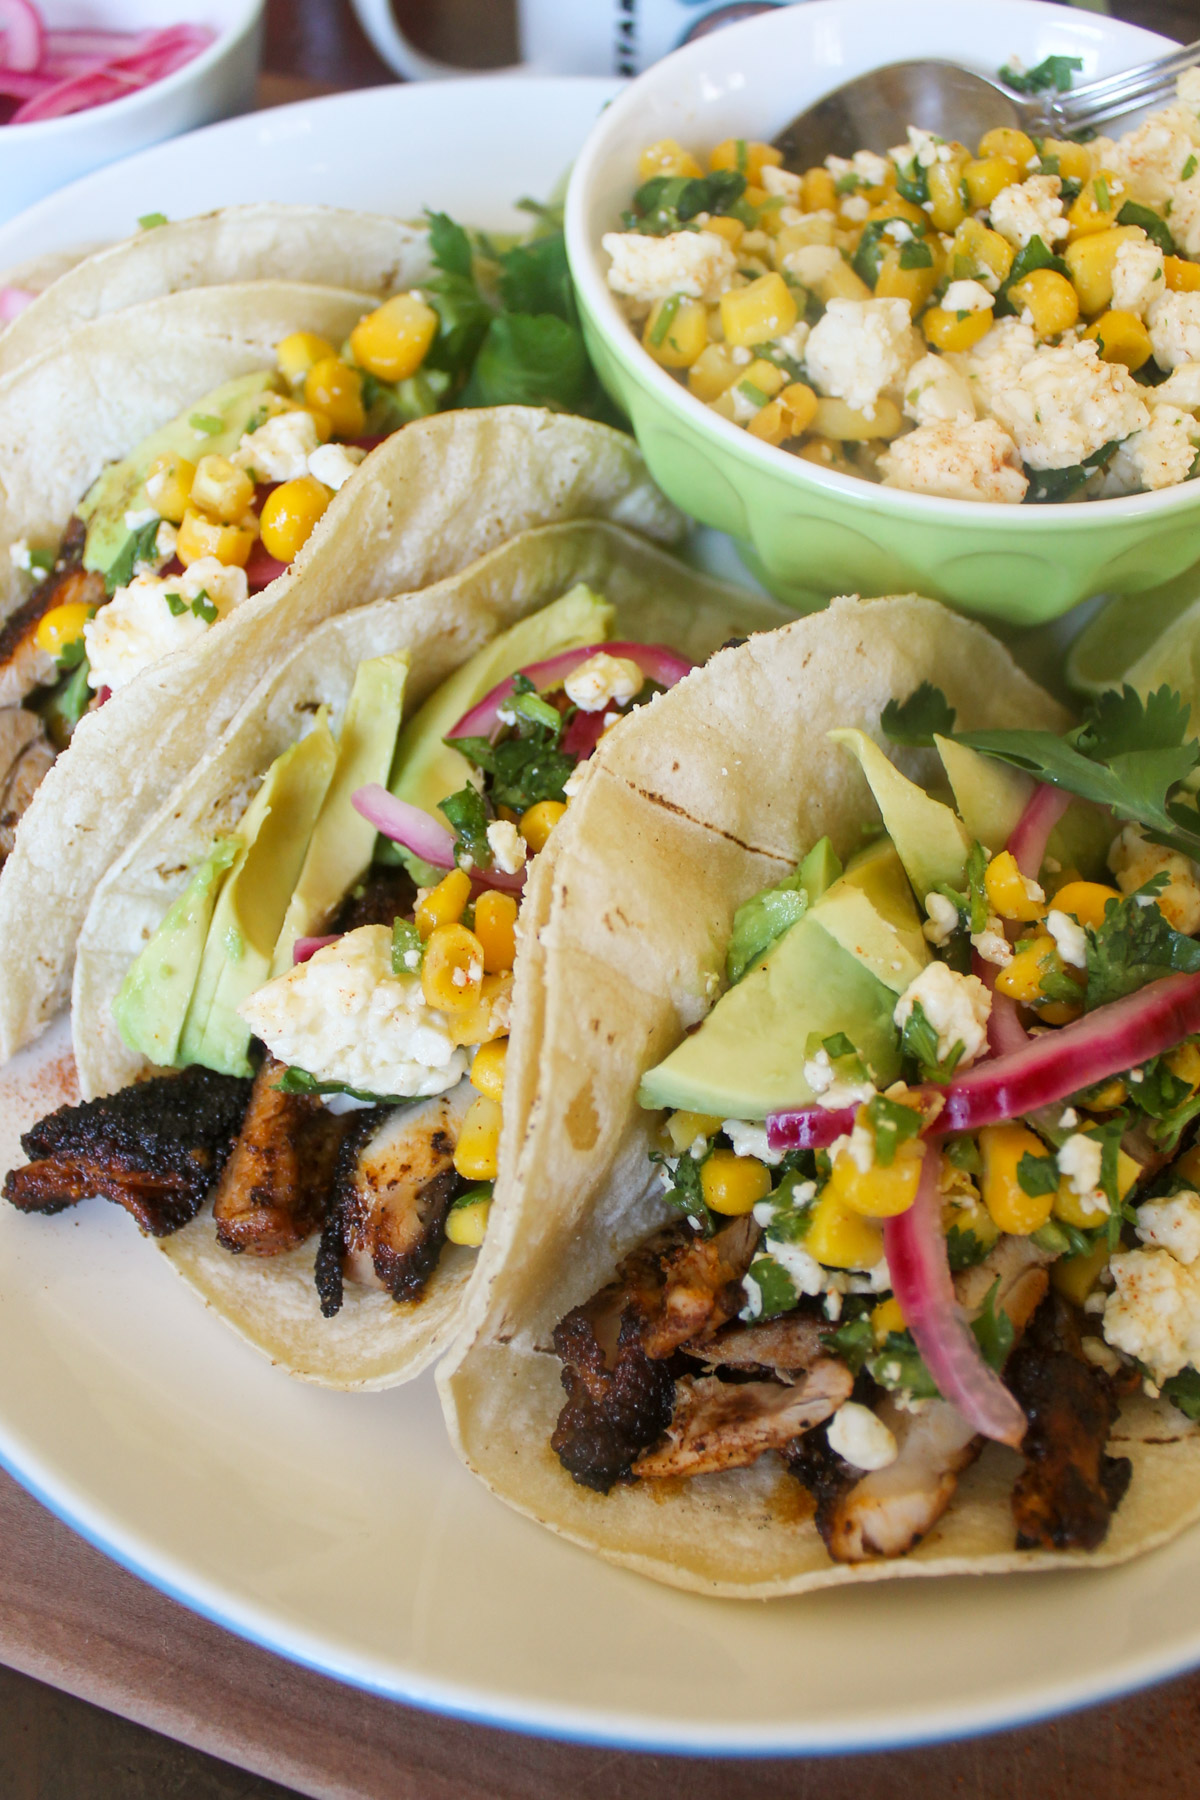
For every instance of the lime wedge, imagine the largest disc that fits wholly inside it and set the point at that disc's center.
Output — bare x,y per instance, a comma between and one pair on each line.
1173,658
1126,631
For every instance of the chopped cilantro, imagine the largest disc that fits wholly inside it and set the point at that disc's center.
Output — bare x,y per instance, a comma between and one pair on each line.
1037,1175
1133,945
893,1124
912,182
467,813
298,1081
993,1329
408,947
1183,1391
176,605
963,1152
685,1193
963,1248
665,202
138,547
1103,197
791,1208
473,1196
853,1341
1061,1239
915,720
1188,169
776,1289
838,1045
665,319
916,255
203,607
528,765
1049,485
920,1041
1054,72
1152,223
875,240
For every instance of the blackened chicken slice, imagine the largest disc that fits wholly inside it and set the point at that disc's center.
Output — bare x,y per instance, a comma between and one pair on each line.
276,1187
155,1148
619,1401
382,896
726,1425
888,1511
1070,1487
394,1183
781,1347
701,1287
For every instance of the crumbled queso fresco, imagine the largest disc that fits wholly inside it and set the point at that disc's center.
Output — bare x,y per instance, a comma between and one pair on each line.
1021,323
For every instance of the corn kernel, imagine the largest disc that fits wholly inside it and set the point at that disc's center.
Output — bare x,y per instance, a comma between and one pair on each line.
1090,260
826,454
676,332
290,515
1010,1207
818,191
812,228
62,626
334,388
298,352
201,536
1049,298
1016,145
897,283
767,377
840,1238
1007,893
898,208
487,1070
221,490
771,424
1085,901
879,1193
467,1225
758,312
713,371
947,209
747,155
1108,1097
988,176
1122,338
1022,979
540,820
977,247
733,1184
393,341
443,904
838,282
1181,276
1188,1165
169,486
477,1152
683,1128
801,404
666,157
1072,1208
834,419
489,1017
496,929
452,968
1097,204
1184,1064
886,1317
1074,160
732,230
947,331
1074,1277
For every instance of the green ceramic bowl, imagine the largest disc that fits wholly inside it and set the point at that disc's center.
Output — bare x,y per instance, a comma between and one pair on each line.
807,533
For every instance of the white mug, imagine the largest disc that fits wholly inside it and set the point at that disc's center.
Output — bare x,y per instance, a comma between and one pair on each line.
574,37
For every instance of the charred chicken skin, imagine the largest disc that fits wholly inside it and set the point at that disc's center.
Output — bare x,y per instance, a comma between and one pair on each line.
155,1148
275,1188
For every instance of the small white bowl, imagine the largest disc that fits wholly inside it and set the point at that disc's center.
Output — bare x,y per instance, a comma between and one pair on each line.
35,159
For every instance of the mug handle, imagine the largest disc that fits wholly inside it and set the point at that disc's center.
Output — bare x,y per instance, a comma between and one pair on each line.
376,19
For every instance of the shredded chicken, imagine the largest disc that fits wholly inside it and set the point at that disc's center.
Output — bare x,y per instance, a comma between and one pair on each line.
783,1346
725,1425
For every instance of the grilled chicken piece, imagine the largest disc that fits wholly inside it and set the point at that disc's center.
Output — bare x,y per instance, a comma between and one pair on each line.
701,1287
1070,1487
674,1288
394,1182
781,1347
384,895
26,753
155,1148
275,1189
23,666
888,1511
726,1425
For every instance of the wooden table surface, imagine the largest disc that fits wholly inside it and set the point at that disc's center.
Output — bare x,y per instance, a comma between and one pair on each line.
90,1657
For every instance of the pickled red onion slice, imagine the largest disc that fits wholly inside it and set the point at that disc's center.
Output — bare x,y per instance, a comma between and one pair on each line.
414,829
23,35
915,1247
14,300
306,947
656,662
1031,833
55,73
809,1127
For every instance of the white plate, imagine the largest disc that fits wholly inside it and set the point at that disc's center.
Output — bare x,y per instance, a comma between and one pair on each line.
340,1531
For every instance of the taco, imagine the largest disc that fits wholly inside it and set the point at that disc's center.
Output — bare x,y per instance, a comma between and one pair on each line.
351,1169
426,502
325,245
861,1134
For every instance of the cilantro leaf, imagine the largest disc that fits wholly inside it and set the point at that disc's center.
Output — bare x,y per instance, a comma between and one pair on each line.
761,921
893,1124
464,318
685,1192
535,278
1133,945
1152,223
138,546
449,245
1048,485
467,813
963,1248
1036,254
792,1204
915,720
1052,72
1037,1175
298,1081
993,1329
523,770
916,255
529,359
920,1041
1183,1391
776,1289
665,202
853,1342
1061,1239
899,1365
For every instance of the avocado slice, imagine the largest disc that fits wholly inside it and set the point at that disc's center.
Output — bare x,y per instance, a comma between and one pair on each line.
932,841
153,1001
768,914
121,488
426,770
991,796
747,1058
340,848
871,913
820,869
274,835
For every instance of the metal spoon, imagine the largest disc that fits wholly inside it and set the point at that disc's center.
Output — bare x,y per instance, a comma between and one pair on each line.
873,111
